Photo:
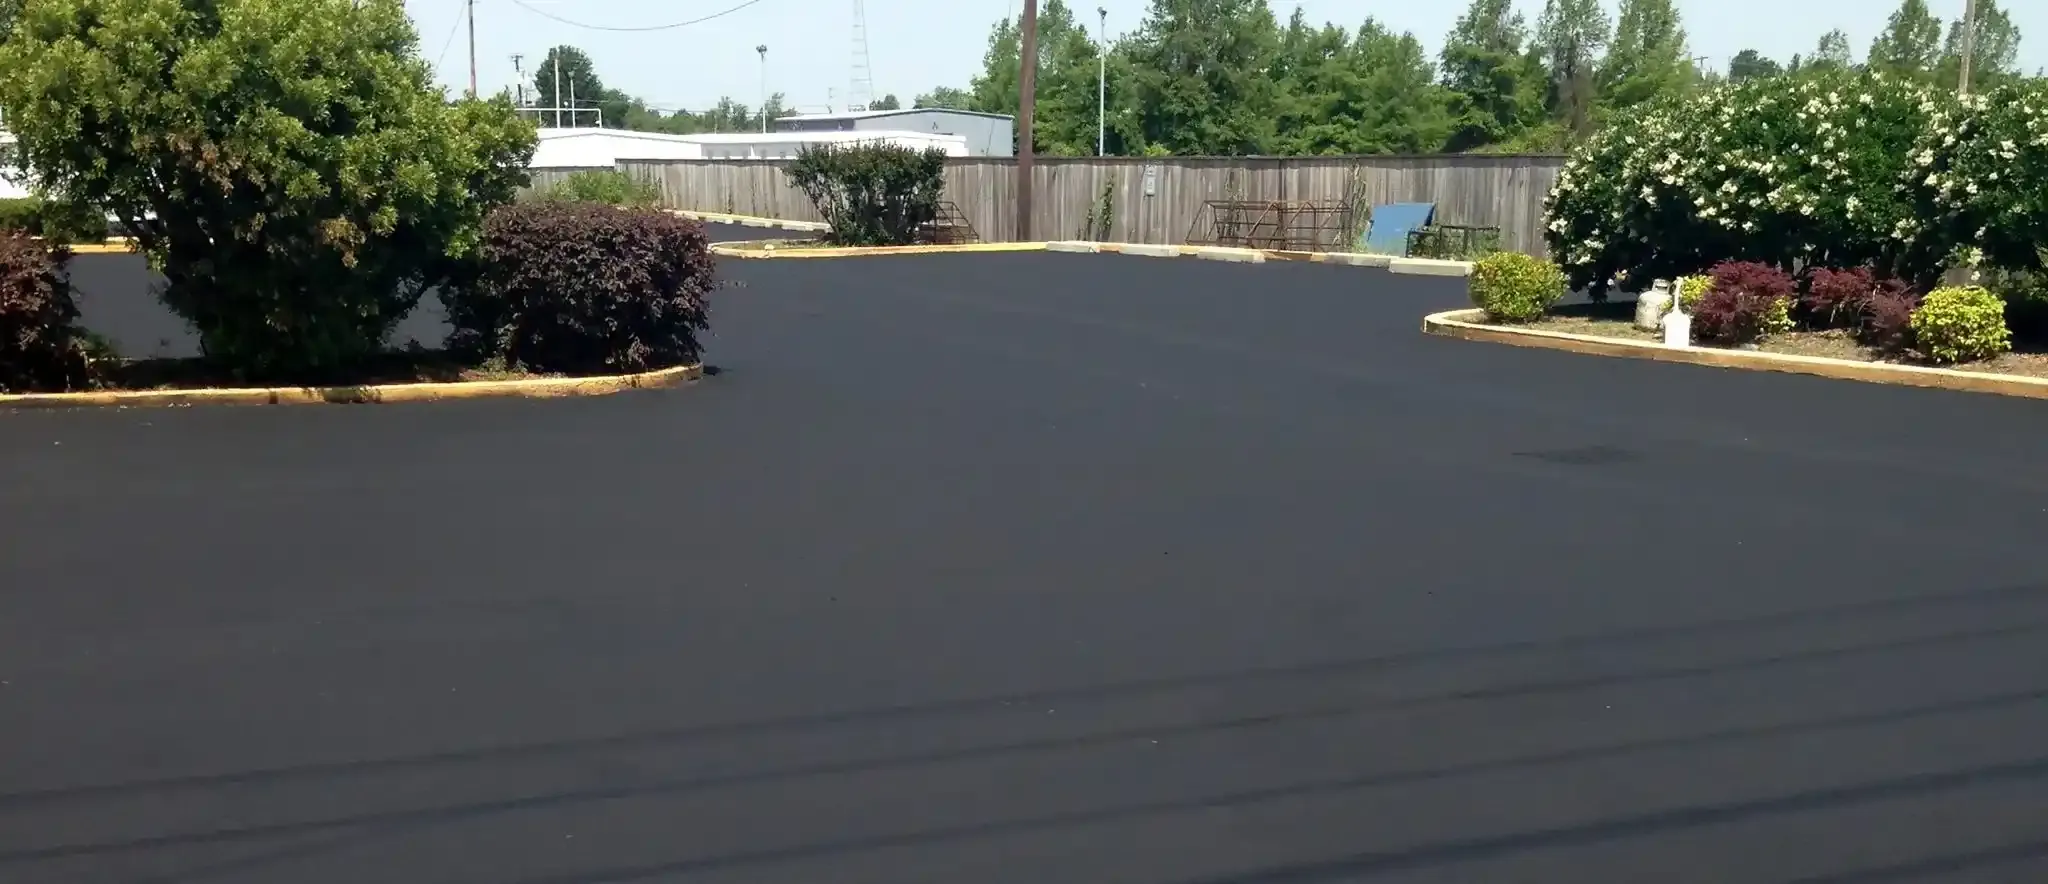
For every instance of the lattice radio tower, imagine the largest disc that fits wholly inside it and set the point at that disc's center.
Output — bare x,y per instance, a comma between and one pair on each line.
860,91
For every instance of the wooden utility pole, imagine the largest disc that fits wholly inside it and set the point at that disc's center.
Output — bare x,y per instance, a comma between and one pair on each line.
472,48
1969,46
1027,104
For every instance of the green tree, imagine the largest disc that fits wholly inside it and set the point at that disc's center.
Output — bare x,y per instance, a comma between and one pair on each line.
1570,35
1372,93
946,97
1750,64
1648,58
1064,119
1496,88
1911,42
1201,76
288,164
888,102
1994,57
581,88
1833,51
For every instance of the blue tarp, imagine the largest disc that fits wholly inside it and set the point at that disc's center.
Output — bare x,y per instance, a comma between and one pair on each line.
1387,233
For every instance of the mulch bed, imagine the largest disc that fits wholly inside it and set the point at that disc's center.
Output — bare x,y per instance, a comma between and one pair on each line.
1617,320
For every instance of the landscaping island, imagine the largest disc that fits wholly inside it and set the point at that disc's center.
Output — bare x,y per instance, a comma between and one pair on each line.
1844,222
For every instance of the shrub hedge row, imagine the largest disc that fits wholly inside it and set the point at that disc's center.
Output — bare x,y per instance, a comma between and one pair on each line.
1835,169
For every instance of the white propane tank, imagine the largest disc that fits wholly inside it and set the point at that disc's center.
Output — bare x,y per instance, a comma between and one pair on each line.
1650,305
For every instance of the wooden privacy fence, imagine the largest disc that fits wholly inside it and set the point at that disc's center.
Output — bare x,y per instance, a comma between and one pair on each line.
1155,200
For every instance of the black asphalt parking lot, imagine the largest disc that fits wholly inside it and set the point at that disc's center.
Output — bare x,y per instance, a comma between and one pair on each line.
1040,568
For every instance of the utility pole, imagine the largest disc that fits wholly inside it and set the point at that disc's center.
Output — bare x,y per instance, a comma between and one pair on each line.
1969,46
573,108
519,79
472,48
556,99
1101,79
1027,105
763,50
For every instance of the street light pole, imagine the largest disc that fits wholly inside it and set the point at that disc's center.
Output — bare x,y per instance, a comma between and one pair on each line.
1969,46
1027,106
1101,79
556,98
763,51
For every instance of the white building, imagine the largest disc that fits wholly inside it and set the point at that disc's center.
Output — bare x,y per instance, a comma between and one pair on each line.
12,186
597,148
988,135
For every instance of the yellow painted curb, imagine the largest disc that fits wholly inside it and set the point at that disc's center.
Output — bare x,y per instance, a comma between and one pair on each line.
532,388
764,251
768,249
1461,324
750,220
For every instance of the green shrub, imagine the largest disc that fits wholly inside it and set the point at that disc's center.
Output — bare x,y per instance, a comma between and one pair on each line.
57,223
871,194
579,288
1691,289
289,165
1814,170
2025,293
41,346
1513,287
1961,324
21,215
611,188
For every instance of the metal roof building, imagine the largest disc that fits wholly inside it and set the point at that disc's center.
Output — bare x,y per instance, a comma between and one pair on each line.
988,135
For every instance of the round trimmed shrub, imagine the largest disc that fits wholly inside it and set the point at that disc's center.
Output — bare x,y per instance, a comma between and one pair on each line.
1961,324
41,347
1745,303
1513,287
1887,321
1691,289
581,288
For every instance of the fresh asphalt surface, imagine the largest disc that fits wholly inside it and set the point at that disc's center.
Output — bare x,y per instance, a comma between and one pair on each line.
1040,568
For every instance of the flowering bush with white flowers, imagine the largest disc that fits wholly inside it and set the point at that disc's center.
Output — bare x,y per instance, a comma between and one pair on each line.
1790,171
1984,166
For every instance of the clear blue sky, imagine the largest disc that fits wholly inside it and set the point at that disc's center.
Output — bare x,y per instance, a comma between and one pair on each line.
917,44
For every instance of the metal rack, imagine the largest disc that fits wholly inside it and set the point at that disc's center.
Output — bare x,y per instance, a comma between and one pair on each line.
1284,225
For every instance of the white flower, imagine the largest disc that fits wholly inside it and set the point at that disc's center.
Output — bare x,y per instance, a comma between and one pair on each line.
1852,203
1972,188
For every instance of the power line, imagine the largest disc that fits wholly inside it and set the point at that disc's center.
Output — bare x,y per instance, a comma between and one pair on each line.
681,24
448,42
